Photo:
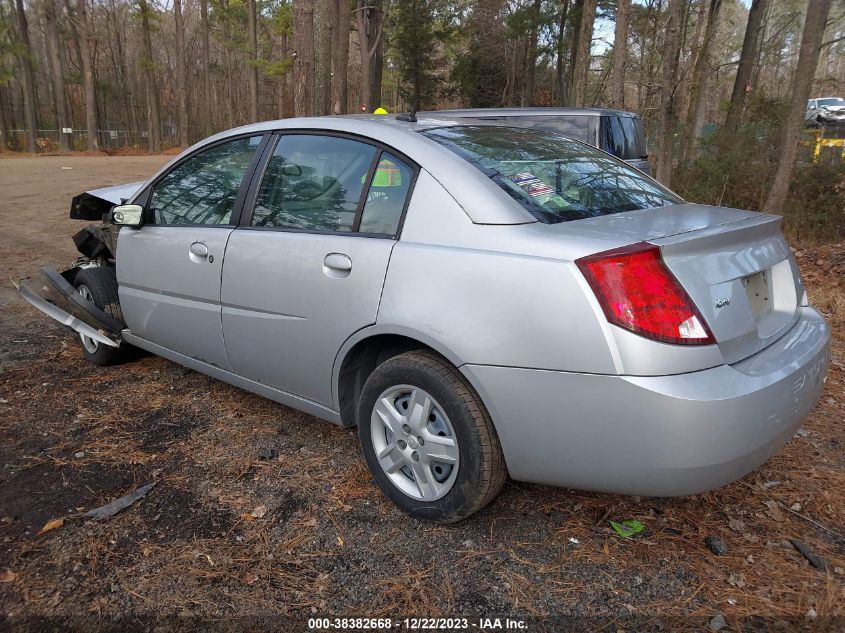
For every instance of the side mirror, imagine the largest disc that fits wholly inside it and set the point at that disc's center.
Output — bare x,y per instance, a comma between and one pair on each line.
291,170
127,215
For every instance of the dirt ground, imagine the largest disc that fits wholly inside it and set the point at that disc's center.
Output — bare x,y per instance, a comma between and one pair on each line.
267,515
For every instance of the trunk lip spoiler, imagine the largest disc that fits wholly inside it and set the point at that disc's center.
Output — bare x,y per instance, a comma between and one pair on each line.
51,293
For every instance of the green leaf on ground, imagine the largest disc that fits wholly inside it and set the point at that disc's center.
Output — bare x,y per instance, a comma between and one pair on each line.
627,529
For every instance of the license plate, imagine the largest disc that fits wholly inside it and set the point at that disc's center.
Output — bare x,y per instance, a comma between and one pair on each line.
757,289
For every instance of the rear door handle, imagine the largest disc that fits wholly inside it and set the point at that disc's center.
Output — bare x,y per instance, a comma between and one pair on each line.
338,261
200,249
337,264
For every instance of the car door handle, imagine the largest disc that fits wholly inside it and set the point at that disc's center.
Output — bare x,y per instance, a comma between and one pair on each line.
338,261
200,249
337,265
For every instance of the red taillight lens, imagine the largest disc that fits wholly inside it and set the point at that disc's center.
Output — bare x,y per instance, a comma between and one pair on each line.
639,293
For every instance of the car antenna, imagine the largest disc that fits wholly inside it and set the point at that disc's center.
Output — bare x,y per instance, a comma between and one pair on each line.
411,117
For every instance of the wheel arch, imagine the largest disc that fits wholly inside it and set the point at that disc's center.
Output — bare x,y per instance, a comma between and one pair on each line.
364,351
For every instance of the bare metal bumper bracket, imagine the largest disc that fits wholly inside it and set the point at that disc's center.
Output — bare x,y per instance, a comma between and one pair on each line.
51,293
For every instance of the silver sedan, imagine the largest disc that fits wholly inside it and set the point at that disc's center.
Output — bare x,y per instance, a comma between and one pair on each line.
479,300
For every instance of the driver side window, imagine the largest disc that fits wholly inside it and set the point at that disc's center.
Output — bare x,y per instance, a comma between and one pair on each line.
202,190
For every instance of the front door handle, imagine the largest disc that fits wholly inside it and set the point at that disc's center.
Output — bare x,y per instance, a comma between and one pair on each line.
200,249
337,265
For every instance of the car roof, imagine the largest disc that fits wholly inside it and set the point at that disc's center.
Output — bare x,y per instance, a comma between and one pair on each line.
477,112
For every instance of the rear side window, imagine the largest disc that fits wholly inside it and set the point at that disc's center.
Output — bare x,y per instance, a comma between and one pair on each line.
622,136
386,197
313,183
554,178
203,188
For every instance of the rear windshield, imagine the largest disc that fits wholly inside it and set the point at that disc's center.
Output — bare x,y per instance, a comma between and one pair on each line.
622,136
554,178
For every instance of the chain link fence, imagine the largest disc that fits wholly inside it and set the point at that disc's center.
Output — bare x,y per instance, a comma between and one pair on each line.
48,140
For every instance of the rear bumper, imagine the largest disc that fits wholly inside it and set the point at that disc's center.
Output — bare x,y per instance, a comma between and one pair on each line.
656,435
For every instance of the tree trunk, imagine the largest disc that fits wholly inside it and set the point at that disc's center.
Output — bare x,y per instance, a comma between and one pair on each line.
54,59
700,81
340,57
30,108
531,55
4,123
282,94
746,63
207,123
324,18
290,110
252,63
87,62
153,114
375,37
228,65
577,12
561,53
668,106
582,52
303,65
181,75
802,83
364,53
620,52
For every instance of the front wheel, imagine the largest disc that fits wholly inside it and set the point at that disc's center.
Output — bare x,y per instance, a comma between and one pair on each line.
99,286
428,439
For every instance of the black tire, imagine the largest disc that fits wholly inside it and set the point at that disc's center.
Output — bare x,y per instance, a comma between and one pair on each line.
101,284
481,467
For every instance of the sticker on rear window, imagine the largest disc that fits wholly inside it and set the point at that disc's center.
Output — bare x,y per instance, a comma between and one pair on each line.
531,185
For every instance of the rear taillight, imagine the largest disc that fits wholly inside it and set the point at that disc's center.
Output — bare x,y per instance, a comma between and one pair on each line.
639,293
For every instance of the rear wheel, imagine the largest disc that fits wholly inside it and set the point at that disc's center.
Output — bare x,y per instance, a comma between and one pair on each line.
428,440
99,286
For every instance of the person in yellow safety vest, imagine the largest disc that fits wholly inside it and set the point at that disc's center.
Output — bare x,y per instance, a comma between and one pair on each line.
380,110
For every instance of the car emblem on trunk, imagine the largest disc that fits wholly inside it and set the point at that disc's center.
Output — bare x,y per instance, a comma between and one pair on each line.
722,302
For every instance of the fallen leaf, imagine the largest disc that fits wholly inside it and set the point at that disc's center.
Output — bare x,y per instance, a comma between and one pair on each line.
627,529
737,525
773,510
7,575
259,512
737,580
246,516
605,549
52,525
340,541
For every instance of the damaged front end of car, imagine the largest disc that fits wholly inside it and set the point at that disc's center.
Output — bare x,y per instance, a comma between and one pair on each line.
54,293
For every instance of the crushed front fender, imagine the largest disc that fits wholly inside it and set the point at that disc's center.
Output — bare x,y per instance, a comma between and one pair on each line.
50,292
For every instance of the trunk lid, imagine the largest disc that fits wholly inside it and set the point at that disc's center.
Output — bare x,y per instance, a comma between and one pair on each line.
735,265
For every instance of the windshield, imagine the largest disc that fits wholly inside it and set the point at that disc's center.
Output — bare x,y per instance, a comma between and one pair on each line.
554,178
838,101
